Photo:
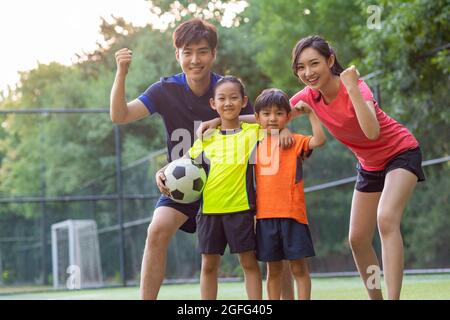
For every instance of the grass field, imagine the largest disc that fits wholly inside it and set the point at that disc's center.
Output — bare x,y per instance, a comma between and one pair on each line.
415,287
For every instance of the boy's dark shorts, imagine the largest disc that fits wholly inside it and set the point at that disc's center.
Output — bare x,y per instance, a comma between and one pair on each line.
215,231
373,181
189,209
282,239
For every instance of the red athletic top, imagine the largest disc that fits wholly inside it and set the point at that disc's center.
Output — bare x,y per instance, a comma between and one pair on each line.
339,117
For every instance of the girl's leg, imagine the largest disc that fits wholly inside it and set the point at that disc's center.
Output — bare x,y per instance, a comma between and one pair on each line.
252,275
363,220
274,277
300,271
287,282
398,187
209,275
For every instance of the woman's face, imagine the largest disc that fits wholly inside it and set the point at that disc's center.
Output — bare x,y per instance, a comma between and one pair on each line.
313,69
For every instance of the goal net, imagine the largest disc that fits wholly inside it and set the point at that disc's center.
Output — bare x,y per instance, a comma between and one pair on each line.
76,255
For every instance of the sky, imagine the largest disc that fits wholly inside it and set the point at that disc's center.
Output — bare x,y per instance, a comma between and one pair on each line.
42,31
33,31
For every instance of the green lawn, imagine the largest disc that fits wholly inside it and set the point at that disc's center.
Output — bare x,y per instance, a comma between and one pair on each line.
421,287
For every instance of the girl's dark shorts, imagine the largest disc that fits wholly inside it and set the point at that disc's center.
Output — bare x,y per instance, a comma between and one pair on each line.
373,181
282,239
215,231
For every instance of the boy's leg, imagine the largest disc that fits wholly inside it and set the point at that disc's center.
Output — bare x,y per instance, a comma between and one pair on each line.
363,220
287,282
300,271
274,271
252,275
398,187
209,275
165,223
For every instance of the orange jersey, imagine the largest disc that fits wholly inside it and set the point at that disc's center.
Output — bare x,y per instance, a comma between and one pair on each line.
279,179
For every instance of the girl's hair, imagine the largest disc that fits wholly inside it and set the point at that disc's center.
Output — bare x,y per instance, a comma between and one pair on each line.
193,31
318,43
272,97
231,79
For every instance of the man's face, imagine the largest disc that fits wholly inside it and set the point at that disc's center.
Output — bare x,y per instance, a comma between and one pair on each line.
196,60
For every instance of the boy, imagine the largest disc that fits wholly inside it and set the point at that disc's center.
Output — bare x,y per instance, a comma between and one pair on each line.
282,227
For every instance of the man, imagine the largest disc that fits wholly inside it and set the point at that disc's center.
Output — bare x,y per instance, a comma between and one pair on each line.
181,100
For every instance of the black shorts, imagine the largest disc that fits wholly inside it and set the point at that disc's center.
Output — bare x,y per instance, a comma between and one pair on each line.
215,231
373,181
282,239
189,209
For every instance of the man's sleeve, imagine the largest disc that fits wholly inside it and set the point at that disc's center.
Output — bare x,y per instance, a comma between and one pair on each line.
152,97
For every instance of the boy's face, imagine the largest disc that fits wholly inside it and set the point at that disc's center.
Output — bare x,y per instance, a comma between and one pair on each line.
228,101
196,60
273,118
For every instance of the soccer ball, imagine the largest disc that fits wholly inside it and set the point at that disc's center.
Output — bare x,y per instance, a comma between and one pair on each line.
185,180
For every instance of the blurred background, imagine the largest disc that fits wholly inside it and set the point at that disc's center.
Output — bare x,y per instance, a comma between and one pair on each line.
62,159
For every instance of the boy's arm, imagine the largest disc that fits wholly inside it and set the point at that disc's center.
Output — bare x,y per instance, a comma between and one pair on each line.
319,138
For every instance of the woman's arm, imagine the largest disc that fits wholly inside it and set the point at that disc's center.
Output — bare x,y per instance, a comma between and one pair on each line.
319,138
365,110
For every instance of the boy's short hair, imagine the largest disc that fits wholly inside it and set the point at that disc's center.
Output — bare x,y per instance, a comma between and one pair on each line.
272,97
193,31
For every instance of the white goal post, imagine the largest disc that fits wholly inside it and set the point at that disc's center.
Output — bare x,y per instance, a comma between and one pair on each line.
76,255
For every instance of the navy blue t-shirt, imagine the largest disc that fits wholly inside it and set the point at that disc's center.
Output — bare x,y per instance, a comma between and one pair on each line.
181,110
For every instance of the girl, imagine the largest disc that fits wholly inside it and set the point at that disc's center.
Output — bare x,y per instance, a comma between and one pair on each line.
226,215
389,157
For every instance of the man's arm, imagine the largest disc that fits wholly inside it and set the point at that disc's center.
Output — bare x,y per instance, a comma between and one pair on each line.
120,111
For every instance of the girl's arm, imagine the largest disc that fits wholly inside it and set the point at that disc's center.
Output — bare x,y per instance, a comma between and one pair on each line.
365,110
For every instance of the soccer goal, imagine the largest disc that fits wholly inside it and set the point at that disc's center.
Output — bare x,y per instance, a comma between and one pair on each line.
76,255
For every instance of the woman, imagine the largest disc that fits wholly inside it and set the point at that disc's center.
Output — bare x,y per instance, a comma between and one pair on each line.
389,157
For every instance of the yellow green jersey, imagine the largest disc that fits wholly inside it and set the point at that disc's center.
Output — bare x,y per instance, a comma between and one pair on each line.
229,160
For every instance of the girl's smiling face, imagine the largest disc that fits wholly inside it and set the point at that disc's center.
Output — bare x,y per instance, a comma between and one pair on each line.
228,100
313,69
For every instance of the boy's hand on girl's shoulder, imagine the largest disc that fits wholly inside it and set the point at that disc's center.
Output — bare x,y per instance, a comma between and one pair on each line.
286,138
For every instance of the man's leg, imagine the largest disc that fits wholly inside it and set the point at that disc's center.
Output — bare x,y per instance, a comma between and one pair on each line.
165,222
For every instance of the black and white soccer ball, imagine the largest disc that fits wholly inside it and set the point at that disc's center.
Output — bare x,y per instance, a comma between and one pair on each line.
185,180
